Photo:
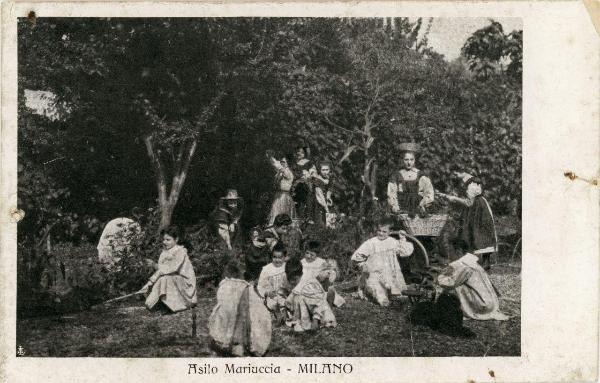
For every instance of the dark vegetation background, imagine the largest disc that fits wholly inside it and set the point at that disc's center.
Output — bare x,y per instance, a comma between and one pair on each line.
166,114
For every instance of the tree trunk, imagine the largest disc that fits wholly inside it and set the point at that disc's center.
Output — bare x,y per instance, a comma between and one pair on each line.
167,202
49,243
166,213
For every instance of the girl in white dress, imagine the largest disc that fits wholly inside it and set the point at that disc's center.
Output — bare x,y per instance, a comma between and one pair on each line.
284,179
307,304
272,283
377,258
239,324
173,286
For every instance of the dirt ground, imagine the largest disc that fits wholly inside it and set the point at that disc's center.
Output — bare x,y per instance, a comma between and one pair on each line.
364,329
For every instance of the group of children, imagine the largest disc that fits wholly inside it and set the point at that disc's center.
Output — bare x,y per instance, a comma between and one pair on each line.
291,291
269,286
300,293
303,189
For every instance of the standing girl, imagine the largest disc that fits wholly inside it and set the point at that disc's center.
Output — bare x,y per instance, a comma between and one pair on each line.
303,169
409,191
284,179
322,185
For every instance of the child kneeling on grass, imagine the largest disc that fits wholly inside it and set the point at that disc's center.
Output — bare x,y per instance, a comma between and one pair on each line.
273,283
239,324
307,303
377,258
471,284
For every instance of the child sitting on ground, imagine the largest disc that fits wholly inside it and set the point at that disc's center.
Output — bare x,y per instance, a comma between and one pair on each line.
377,258
312,264
325,271
239,324
307,303
272,282
172,288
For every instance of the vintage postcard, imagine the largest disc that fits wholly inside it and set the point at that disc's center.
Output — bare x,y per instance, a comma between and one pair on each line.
253,191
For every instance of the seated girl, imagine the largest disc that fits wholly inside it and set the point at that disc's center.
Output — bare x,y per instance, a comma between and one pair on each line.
312,264
239,324
377,258
272,282
173,286
324,270
307,303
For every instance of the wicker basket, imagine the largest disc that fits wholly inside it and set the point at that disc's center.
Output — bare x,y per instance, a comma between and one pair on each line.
430,226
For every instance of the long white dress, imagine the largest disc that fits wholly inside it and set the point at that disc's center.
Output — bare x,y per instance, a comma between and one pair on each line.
174,281
381,271
478,299
326,272
240,322
282,202
308,301
116,239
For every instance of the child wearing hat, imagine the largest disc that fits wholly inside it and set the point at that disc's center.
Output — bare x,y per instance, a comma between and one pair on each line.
477,228
226,218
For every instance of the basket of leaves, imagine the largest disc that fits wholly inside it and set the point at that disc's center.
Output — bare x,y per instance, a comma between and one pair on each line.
428,226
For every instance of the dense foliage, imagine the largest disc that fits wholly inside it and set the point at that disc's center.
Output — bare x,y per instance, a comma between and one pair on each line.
172,112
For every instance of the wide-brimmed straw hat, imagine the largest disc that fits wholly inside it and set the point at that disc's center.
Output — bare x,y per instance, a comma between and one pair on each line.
409,147
232,194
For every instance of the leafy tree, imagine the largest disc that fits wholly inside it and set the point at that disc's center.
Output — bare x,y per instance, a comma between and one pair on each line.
150,105
166,88
488,48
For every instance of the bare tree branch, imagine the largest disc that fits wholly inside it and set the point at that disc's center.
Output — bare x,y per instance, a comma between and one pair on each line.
160,174
179,177
208,111
178,161
46,233
341,127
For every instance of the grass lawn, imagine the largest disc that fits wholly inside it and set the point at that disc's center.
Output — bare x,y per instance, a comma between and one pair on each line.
364,329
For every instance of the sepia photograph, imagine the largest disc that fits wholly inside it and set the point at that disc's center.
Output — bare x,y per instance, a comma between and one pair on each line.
266,186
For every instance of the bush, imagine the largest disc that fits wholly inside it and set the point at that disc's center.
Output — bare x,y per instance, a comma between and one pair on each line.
70,278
